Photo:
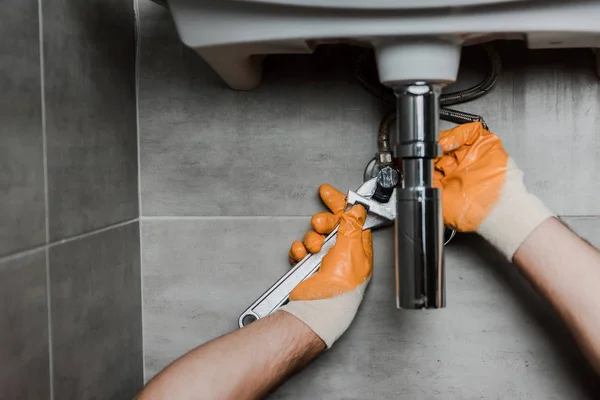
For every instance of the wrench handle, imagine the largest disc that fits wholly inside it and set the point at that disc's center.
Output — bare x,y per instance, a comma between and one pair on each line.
278,294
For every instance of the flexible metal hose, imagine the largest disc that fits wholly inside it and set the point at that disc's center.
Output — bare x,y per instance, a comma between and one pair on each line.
461,117
461,96
383,134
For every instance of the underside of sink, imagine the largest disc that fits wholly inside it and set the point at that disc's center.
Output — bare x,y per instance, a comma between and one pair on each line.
380,4
234,36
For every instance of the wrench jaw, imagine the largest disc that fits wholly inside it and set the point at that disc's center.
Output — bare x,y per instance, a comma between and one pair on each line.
378,214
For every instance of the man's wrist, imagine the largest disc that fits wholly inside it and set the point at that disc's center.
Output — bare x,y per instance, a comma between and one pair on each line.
508,227
515,216
328,318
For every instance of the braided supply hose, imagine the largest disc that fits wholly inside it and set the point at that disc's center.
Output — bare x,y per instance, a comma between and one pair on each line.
386,94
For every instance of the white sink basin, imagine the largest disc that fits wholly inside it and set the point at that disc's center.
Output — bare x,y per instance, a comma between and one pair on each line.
233,36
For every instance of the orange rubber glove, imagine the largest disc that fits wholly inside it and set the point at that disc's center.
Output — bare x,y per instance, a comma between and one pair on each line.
483,190
328,301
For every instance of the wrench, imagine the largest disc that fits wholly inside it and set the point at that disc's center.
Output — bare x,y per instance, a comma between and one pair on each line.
378,215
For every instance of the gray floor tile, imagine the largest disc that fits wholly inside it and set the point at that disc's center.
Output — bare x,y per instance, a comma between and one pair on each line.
198,276
21,152
207,150
586,227
497,338
24,365
90,114
96,315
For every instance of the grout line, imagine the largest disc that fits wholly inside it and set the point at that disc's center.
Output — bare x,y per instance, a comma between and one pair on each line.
31,250
21,253
138,40
92,232
579,216
267,217
136,14
217,217
46,201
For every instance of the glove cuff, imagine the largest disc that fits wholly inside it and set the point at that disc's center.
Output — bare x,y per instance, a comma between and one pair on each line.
515,216
328,318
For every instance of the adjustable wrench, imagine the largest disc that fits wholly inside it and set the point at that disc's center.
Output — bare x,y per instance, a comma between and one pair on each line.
378,214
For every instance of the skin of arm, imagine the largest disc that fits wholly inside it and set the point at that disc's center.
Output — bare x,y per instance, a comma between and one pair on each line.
245,364
483,191
560,265
250,362
566,271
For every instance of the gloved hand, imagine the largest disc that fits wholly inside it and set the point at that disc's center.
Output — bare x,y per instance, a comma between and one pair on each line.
483,190
327,301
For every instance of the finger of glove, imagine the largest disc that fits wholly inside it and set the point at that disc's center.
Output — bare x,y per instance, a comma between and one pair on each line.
437,178
459,136
468,147
455,207
446,164
352,221
470,192
324,222
333,198
367,242
313,241
344,267
297,252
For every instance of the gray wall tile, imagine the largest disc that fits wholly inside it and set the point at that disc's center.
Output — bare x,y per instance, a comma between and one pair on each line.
24,364
90,114
96,315
497,338
546,109
21,152
207,150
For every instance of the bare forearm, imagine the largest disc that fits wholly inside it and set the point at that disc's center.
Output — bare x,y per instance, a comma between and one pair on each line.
245,364
566,271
